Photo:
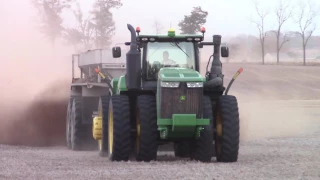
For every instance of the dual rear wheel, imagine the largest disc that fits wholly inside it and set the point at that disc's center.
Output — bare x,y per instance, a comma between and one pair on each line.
226,135
117,140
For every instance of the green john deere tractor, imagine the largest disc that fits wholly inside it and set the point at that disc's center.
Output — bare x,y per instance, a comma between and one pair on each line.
163,98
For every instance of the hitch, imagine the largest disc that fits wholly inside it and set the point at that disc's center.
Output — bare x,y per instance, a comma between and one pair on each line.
233,78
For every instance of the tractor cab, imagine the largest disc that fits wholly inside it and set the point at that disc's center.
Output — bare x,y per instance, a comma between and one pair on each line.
165,51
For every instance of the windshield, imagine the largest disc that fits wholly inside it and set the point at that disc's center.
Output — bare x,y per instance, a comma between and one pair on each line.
169,54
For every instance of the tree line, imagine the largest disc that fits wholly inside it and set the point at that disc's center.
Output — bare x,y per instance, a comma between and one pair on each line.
303,15
96,30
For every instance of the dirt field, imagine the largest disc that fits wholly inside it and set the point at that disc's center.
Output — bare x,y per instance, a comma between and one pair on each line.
280,135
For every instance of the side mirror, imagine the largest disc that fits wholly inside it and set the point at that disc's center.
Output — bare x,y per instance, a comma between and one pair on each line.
224,51
116,52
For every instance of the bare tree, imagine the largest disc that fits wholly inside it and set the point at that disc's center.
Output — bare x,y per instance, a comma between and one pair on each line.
103,21
158,27
283,13
262,13
83,33
304,18
50,14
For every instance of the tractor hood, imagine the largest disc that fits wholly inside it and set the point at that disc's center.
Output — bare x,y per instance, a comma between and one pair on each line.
179,74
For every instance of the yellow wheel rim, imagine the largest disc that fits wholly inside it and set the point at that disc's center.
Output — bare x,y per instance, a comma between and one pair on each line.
100,144
110,130
138,131
219,130
100,115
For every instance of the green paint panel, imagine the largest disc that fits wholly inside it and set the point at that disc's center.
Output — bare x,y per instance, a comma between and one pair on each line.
122,86
180,75
184,122
169,122
114,83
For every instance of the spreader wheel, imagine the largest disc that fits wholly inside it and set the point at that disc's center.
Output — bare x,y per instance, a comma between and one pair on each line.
103,110
68,122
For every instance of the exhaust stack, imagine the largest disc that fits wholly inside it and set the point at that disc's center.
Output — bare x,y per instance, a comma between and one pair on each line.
133,75
216,65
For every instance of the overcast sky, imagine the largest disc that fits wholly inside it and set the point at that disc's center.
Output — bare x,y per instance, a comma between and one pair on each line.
226,17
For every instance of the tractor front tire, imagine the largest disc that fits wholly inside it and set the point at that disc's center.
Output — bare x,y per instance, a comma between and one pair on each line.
202,150
104,107
227,129
147,132
119,128
68,122
78,130
182,149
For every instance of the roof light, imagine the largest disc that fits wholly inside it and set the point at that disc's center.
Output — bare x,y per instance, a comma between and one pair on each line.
203,29
138,29
171,32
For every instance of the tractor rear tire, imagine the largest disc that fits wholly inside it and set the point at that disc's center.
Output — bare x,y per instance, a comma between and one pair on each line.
78,130
202,149
119,128
104,105
227,143
68,122
182,149
147,133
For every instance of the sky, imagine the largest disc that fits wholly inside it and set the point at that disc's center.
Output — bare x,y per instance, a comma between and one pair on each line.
24,51
227,17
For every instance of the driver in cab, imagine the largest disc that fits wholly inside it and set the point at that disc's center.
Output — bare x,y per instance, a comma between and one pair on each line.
166,61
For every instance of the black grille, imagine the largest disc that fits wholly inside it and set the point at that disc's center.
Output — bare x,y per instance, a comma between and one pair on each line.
170,102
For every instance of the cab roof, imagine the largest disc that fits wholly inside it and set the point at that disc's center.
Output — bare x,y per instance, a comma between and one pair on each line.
166,38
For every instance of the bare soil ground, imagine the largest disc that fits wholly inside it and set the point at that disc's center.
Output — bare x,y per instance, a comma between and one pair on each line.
280,134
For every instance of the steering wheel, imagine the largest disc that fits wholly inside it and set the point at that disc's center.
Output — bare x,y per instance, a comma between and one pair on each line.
173,64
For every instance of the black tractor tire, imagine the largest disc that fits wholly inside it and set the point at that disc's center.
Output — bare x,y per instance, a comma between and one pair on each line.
182,149
147,141
104,104
68,122
78,130
202,149
120,111
227,146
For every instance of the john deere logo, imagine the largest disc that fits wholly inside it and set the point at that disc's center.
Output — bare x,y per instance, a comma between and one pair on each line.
182,98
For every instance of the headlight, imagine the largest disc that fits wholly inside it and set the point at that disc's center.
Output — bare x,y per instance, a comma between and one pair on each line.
194,84
170,84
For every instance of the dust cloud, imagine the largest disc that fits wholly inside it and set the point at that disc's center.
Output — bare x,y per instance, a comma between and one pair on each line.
34,82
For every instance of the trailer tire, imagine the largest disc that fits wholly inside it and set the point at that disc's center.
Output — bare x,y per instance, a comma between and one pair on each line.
202,149
68,126
119,128
147,132
227,141
104,104
78,130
